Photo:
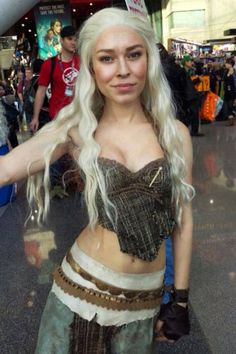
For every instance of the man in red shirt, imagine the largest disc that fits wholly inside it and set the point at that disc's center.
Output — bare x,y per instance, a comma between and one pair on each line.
62,80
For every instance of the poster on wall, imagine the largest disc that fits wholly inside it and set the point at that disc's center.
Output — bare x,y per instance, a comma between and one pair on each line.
50,17
137,7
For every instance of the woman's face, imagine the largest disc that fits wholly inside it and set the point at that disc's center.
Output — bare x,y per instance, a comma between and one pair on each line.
119,65
57,27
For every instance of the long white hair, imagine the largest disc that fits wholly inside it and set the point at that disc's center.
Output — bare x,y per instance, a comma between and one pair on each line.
87,106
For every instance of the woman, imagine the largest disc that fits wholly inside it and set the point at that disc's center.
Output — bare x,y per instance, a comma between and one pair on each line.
135,159
56,26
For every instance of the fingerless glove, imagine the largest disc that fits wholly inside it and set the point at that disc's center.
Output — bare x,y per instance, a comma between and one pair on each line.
176,320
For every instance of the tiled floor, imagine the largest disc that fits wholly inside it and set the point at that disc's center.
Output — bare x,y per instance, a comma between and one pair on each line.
28,255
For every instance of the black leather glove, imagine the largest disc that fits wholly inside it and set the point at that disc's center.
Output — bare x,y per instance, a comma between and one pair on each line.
176,320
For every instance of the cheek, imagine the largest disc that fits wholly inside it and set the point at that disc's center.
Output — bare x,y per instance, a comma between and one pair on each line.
141,70
103,75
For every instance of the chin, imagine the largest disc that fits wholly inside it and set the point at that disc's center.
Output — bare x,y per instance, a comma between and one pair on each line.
128,99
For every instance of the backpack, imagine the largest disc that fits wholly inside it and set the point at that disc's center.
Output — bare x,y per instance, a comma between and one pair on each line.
49,88
29,95
11,114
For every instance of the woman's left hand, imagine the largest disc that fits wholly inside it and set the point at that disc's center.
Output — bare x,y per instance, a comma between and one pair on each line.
159,333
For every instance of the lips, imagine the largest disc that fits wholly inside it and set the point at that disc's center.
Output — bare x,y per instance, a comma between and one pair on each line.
127,85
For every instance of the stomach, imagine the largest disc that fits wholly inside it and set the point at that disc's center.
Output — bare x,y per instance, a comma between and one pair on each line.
103,246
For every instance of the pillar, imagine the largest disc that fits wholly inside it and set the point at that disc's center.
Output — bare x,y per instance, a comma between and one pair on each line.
154,8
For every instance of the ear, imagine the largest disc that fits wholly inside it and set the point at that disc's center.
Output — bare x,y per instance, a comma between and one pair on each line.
91,70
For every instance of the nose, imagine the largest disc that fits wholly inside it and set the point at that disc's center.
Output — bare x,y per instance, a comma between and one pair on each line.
123,68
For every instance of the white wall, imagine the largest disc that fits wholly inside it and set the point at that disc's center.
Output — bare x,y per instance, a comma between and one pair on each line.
220,15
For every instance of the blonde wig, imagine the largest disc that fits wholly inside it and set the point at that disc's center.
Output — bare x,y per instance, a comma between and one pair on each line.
87,106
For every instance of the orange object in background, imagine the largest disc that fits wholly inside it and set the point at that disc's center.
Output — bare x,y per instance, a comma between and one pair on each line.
204,84
208,109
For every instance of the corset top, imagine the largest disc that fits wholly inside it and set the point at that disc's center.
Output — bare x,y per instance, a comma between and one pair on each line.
143,204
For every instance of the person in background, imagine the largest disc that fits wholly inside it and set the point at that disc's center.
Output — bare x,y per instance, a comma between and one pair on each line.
9,104
211,71
23,44
192,97
61,80
7,193
229,80
60,73
135,158
29,96
23,83
176,77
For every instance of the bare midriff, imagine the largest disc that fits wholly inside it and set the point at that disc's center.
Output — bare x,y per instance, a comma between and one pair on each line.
103,246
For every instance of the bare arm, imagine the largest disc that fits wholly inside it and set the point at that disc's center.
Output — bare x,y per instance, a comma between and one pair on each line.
38,103
21,97
28,158
173,327
182,240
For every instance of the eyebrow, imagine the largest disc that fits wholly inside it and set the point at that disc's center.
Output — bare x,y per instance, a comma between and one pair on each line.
127,49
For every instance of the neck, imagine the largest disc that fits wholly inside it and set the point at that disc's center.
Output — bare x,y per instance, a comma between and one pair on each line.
66,56
123,114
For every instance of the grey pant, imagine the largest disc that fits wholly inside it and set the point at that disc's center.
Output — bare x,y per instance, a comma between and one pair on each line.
54,333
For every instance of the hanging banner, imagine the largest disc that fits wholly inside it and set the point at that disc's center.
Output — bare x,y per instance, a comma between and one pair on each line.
50,18
137,7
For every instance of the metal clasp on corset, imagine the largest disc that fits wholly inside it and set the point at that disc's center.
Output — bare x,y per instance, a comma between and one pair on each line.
156,175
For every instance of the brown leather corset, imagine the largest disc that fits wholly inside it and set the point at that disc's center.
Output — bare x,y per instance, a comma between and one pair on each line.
142,199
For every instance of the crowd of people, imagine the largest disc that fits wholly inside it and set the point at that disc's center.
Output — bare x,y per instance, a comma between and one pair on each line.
118,123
